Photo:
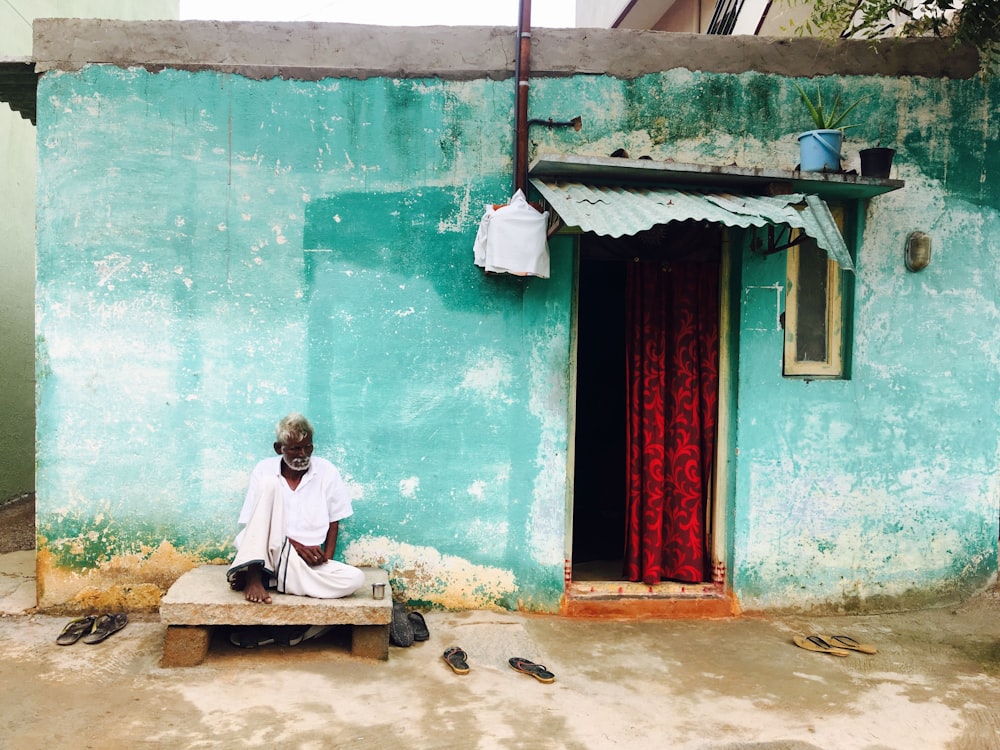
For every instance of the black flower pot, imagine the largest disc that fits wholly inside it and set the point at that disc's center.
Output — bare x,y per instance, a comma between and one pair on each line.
876,162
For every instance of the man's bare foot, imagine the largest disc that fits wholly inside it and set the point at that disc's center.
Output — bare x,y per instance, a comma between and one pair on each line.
254,590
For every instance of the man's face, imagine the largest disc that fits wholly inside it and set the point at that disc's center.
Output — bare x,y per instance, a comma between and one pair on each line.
296,453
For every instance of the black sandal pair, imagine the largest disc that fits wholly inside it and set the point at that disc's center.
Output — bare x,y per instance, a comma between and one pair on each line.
92,628
406,627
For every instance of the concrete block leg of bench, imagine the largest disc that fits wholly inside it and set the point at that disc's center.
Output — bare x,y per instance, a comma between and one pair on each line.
370,641
185,645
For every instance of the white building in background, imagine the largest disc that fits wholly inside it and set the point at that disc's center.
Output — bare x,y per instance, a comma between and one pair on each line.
735,17
732,17
17,213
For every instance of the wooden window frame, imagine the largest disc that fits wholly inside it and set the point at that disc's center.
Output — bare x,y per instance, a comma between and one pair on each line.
833,366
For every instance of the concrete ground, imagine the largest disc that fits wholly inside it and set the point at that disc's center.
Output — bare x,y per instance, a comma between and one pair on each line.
710,684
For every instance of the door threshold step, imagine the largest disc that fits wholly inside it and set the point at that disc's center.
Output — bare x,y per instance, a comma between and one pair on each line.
634,590
658,607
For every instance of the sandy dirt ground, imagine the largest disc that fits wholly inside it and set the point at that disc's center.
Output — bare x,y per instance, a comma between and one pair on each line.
719,685
734,684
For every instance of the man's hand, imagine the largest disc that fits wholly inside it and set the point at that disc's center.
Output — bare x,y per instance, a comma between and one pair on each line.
311,555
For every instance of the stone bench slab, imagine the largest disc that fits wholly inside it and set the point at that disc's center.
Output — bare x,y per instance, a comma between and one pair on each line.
201,599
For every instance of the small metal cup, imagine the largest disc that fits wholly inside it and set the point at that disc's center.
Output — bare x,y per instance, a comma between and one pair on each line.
378,591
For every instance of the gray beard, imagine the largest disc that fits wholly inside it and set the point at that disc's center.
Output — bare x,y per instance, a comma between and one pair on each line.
298,464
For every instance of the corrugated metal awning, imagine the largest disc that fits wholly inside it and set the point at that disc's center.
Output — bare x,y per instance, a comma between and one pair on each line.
616,210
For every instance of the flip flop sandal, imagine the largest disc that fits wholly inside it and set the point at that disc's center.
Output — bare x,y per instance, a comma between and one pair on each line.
815,643
419,626
269,635
314,631
845,641
106,625
456,659
252,637
75,629
538,671
289,635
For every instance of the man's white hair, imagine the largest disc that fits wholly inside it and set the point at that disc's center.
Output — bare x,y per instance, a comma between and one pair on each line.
293,428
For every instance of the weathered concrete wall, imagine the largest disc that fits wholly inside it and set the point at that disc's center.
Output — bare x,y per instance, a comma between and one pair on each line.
216,249
17,248
255,247
881,491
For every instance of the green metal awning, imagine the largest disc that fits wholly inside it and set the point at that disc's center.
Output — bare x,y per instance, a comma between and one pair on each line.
617,210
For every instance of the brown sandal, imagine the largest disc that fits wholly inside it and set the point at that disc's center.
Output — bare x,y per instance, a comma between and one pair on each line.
845,641
816,643
456,659
539,671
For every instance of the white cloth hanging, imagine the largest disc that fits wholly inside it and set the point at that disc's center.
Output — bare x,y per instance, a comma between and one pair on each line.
512,239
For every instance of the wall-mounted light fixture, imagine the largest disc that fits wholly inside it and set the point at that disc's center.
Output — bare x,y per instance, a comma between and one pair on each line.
918,251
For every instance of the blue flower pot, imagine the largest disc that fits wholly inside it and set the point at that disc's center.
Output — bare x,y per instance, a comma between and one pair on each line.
819,150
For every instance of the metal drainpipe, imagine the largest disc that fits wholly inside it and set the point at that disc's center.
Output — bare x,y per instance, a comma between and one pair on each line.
522,74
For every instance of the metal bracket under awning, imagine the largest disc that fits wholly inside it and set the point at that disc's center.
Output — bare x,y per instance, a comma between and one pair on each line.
617,210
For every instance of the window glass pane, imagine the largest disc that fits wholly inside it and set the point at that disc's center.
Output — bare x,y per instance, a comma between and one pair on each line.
813,281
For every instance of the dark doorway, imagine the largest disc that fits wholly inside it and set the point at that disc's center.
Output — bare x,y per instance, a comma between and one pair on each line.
600,480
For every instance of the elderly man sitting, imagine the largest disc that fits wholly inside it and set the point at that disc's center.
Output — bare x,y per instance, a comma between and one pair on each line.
290,519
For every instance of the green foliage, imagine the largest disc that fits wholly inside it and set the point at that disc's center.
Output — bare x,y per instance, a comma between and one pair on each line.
824,119
975,23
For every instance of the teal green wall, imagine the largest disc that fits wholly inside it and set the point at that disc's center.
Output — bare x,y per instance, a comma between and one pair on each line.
237,249
216,251
17,246
882,488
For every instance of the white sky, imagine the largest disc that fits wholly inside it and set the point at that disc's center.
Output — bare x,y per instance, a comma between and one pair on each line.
544,13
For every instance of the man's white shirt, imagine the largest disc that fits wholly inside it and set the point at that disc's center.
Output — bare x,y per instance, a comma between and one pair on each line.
320,499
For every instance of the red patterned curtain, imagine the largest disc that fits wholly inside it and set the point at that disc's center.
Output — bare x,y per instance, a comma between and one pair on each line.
672,348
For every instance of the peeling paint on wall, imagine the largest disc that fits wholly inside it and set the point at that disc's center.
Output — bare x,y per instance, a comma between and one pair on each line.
124,583
216,251
425,576
882,488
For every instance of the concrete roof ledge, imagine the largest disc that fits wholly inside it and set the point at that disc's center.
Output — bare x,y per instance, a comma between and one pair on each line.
312,51
266,50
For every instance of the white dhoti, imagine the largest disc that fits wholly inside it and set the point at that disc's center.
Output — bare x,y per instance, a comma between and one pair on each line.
264,542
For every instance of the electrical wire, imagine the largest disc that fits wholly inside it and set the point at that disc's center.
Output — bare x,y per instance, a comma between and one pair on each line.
11,6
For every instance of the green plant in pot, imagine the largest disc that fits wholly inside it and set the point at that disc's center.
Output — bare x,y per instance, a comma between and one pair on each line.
819,149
